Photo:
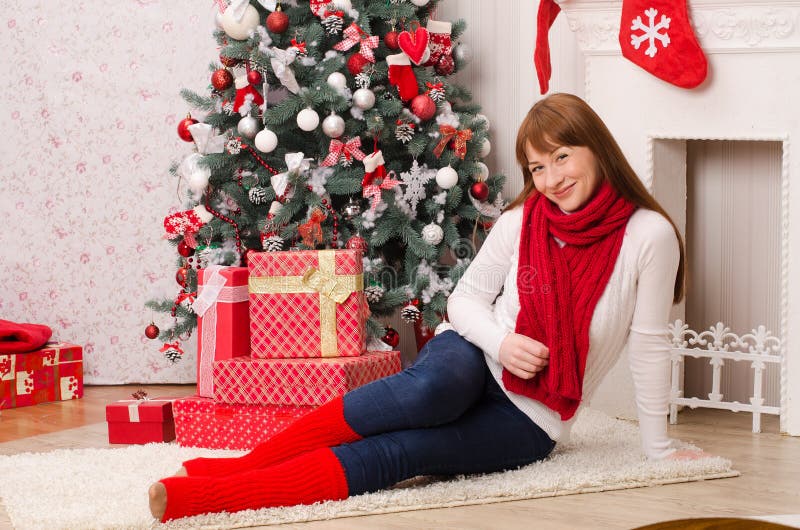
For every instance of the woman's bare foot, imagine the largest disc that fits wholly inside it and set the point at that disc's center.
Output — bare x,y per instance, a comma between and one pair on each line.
181,472
158,500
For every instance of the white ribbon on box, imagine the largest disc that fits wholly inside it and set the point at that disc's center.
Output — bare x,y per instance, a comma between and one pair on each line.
133,408
211,293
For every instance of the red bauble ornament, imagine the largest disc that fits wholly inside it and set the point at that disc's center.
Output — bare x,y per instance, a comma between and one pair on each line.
356,243
222,79
391,40
183,128
254,77
356,63
480,191
423,107
182,276
184,249
151,331
392,338
278,21
446,65
229,61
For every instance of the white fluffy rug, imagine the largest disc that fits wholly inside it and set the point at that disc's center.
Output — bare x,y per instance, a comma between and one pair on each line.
107,488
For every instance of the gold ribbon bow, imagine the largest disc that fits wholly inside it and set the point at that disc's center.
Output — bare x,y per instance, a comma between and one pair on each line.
333,289
461,138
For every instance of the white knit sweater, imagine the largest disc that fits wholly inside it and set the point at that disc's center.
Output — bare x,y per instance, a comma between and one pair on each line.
632,312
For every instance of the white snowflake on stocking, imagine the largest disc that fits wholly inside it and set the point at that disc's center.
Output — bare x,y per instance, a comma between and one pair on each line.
651,32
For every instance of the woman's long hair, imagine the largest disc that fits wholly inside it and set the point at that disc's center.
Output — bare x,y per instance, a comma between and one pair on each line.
564,119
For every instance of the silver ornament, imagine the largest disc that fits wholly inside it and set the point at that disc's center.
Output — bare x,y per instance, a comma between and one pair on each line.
364,98
352,209
248,127
432,234
463,53
333,126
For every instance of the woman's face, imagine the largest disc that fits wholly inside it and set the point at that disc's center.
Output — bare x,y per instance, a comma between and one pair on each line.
568,176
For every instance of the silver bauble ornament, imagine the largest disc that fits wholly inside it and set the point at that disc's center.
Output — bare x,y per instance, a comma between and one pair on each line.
266,141
486,148
240,30
248,127
446,177
463,53
364,98
352,209
337,80
307,119
482,118
333,126
420,3
432,234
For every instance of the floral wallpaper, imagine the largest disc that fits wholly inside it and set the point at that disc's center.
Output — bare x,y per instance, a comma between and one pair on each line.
90,107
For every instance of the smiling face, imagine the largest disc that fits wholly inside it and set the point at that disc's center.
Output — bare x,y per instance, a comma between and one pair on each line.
568,176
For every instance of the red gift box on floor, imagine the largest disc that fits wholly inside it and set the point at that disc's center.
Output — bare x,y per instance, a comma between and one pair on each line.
200,422
53,373
298,381
223,329
140,421
307,303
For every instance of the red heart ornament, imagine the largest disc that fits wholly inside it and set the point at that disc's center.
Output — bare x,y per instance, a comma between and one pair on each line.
414,44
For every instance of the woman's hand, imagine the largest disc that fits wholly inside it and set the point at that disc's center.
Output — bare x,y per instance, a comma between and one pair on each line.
523,356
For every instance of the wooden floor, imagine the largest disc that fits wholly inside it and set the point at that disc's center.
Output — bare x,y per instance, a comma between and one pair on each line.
769,463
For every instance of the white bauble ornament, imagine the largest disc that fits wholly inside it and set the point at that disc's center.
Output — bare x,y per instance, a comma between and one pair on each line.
483,171
266,141
333,126
364,98
420,3
248,127
486,148
446,177
307,119
344,5
432,234
442,327
275,207
218,20
337,80
241,29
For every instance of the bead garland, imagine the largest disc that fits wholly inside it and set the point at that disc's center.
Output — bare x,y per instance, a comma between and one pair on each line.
228,220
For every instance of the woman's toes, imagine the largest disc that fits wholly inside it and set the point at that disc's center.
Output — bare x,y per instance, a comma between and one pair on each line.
158,500
182,472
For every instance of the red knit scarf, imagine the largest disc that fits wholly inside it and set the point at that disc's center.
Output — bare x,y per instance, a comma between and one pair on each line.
559,288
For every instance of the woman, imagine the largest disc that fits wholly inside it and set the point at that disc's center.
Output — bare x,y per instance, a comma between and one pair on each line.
588,263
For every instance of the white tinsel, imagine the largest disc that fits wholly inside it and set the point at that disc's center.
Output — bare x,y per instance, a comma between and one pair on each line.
357,113
440,198
307,61
486,209
244,110
266,40
437,284
318,179
370,216
446,116
372,265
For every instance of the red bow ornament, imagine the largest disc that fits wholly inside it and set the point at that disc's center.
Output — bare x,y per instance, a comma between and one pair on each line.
347,150
174,346
355,35
186,296
299,46
311,231
459,137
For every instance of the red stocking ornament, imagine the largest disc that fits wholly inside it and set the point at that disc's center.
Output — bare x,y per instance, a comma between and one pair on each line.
402,76
657,36
243,90
440,44
548,11
186,222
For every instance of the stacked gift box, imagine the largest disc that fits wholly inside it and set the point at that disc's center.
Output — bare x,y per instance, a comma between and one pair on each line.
52,373
275,341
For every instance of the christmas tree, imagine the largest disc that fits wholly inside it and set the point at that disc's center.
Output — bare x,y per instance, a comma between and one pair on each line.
333,124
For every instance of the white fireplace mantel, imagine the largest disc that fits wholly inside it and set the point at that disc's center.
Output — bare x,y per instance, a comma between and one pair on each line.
753,52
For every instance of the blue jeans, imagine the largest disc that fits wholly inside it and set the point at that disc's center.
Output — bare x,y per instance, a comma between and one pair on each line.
444,415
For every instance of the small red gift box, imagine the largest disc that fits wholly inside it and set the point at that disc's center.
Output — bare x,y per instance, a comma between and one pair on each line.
298,381
307,303
53,373
140,421
200,422
223,330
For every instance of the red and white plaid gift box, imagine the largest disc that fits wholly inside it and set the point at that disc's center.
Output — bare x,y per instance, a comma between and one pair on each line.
298,381
223,328
199,422
52,373
307,303
140,421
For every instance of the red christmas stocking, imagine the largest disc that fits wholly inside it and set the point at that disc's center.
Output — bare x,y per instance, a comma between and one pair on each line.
189,221
548,11
440,43
245,91
402,76
657,35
